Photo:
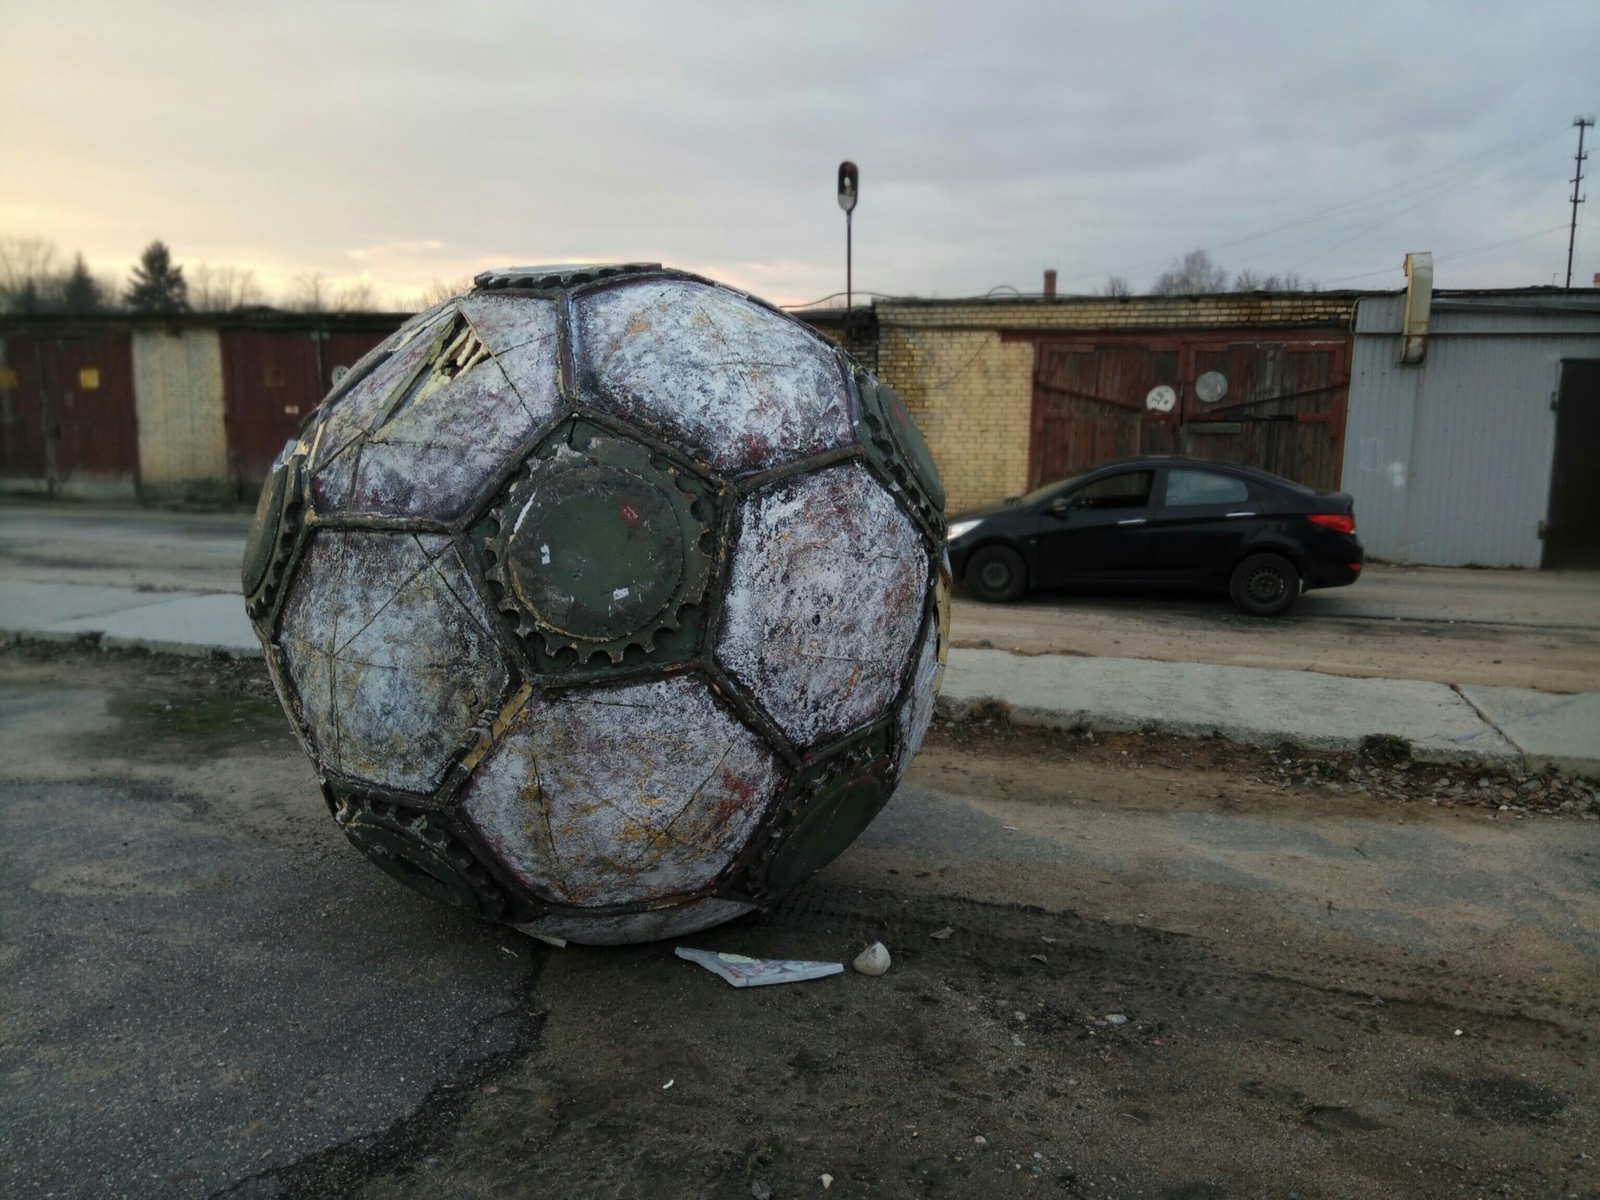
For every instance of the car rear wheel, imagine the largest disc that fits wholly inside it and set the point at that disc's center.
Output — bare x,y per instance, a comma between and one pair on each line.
997,574
1264,585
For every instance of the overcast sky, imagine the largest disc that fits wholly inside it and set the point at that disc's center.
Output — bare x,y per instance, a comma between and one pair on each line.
409,142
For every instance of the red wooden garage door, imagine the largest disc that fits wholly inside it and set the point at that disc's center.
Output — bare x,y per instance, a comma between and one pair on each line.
1264,399
67,416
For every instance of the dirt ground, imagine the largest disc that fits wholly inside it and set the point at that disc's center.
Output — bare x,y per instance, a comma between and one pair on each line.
1334,631
1121,967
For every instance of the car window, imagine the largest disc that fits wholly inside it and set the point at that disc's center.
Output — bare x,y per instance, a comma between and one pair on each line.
1043,493
1131,489
1186,489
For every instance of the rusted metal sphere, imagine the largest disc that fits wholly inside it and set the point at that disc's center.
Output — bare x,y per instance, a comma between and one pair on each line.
609,602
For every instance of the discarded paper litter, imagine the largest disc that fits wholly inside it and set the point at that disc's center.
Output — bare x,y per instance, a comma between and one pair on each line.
754,972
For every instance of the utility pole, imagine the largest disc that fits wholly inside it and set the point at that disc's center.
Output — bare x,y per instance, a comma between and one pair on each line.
1582,123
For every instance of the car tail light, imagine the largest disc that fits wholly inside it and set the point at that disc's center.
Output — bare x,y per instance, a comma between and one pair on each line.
1338,522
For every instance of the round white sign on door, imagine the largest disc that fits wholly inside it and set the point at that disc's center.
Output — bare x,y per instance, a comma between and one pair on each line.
1161,399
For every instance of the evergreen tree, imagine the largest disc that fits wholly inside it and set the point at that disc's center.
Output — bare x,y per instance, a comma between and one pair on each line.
158,285
80,291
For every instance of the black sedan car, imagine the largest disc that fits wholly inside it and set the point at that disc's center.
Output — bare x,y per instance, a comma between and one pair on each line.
1163,521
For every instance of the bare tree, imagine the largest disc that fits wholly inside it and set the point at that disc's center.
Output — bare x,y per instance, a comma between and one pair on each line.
439,291
29,276
1117,285
1254,281
1192,275
357,295
222,289
309,293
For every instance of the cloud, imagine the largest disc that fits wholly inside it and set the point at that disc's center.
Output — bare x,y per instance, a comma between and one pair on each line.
993,140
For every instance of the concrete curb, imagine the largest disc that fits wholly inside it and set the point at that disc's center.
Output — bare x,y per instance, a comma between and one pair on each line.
1266,707
191,623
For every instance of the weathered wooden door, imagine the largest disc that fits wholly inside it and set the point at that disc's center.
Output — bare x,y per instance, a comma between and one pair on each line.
1274,400
1281,406
271,381
68,413
342,348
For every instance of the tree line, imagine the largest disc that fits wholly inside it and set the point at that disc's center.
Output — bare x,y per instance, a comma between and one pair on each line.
34,278
1197,274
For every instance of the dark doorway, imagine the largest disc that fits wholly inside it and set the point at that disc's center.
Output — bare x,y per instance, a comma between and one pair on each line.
1572,532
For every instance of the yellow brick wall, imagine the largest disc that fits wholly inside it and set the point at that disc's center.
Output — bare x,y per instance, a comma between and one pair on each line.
177,388
972,393
972,397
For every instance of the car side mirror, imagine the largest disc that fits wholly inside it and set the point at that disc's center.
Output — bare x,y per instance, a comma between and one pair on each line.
1060,506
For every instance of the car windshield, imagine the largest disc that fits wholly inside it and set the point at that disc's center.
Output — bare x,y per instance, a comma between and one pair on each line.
1045,492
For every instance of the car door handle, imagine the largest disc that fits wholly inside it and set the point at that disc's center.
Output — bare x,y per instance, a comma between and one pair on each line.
1240,514
1132,521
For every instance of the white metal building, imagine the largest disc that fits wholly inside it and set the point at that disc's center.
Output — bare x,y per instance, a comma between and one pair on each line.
1485,451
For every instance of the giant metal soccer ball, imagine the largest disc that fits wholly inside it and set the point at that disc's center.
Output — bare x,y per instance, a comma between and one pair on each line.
608,602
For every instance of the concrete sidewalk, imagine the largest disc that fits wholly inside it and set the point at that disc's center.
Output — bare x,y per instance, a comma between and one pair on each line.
1501,727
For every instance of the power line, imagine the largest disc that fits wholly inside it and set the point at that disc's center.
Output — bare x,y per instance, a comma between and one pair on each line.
1382,221
1454,254
1457,175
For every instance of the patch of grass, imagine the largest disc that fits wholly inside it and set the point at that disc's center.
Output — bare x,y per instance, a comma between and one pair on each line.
185,717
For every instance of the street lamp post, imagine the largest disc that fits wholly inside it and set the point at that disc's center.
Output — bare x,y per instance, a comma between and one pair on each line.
849,187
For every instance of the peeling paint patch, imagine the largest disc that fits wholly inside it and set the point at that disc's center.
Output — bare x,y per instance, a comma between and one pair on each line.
676,921
825,598
622,795
390,653
744,388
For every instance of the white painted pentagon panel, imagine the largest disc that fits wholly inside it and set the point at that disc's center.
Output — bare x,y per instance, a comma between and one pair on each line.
432,450
521,334
622,795
674,921
505,322
390,653
824,601
916,711
434,453
352,415
741,387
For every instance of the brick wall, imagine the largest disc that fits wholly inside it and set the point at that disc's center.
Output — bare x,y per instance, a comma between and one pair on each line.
971,389
183,445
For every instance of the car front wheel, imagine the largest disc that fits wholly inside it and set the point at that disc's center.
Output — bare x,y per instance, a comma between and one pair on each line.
1264,585
997,574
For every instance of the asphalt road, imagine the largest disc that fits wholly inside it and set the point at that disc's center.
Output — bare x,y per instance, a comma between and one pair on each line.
1161,969
1534,629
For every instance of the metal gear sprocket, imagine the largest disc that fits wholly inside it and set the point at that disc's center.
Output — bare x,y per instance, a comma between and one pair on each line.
599,544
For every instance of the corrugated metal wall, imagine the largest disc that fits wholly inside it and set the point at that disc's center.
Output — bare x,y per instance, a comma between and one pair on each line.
1449,461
